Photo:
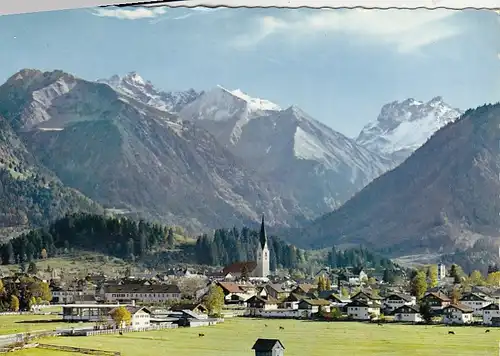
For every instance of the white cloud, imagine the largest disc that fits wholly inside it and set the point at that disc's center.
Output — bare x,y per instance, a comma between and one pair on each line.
182,17
406,30
205,9
131,14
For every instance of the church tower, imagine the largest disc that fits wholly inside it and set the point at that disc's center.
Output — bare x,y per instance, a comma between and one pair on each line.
262,269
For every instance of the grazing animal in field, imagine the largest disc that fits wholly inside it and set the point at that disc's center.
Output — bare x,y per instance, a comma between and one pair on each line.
282,328
487,331
121,333
201,335
451,332
265,325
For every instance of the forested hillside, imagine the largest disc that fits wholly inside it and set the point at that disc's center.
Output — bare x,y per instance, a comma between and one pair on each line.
141,241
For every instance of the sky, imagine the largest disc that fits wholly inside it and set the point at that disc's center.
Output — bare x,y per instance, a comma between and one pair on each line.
340,66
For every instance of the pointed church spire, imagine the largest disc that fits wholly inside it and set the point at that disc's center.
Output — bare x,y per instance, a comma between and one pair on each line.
262,236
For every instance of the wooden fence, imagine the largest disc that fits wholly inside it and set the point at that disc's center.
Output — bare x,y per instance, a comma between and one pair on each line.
79,350
125,330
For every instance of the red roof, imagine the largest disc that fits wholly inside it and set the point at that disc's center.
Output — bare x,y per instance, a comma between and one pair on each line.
230,287
238,267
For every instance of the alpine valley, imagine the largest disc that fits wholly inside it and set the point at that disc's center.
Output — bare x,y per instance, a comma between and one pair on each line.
219,157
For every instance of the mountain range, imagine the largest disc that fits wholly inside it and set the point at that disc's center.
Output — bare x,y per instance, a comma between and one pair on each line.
206,159
443,198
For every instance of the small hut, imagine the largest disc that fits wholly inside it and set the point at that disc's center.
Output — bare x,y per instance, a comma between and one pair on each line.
268,347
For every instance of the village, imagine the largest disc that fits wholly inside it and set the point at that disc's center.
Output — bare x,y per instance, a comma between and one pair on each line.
180,297
152,301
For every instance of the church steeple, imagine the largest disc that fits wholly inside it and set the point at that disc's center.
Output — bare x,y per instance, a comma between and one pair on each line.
262,236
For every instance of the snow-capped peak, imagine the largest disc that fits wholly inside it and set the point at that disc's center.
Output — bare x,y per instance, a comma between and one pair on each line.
137,87
254,104
402,127
135,78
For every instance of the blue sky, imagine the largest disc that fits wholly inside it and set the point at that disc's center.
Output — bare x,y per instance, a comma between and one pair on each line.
340,66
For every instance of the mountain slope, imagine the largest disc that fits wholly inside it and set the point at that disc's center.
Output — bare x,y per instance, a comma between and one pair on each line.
441,198
30,195
131,156
402,127
318,166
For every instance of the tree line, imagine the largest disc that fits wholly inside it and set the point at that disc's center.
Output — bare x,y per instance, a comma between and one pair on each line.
227,246
132,240
117,236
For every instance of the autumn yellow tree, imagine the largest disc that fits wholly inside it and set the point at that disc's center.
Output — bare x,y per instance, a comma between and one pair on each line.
328,284
419,285
321,283
121,316
432,275
455,295
493,279
45,292
476,278
14,303
215,300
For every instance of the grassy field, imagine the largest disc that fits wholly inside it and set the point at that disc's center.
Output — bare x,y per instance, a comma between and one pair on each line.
78,264
236,337
13,324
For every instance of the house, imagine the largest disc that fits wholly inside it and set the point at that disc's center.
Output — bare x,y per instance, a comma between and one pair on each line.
395,300
457,314
146,293
304,288
361,310
476,302
312,306
268,347
277,291
408,313
190,319
87,312
292,301
235,293
367,297
257,302
491,313
436,300
333,298
141,317
197,308
353,277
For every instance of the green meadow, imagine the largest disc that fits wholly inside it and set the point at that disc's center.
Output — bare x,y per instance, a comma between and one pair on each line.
235,337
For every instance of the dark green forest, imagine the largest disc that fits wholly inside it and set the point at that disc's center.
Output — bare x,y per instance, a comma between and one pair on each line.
138,240
232,245
357,257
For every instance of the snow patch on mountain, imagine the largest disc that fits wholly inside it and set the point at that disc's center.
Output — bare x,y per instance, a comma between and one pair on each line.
402,127
307,146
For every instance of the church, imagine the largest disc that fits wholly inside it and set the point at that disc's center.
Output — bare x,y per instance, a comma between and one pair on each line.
254,269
